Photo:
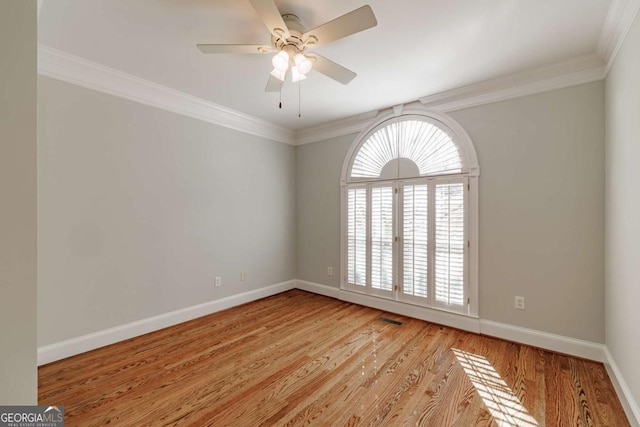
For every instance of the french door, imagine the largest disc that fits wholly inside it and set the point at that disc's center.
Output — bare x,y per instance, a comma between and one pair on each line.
407,241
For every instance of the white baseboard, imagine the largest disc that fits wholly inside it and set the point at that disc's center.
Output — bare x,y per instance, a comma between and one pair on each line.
51,353
316,288
544,340
585,349
627,400
453,320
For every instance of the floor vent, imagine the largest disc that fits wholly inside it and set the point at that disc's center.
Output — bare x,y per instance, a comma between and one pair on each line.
394,322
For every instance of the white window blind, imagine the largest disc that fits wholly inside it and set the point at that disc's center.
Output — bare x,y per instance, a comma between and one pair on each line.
382,238
415,240
449,243
357,236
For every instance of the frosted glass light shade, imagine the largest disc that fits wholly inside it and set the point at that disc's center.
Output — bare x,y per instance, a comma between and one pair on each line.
280,75
281,61
303,64
296,75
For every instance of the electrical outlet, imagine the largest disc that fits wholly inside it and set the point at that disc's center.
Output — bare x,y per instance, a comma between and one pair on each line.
218,281
243,276
519,303
329,271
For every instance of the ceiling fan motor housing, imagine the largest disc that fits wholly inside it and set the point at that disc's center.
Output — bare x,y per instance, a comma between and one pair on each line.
294,44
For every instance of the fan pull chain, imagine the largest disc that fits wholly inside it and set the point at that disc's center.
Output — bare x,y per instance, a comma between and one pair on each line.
280,96
299,90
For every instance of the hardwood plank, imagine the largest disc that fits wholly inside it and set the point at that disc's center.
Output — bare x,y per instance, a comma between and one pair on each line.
302,359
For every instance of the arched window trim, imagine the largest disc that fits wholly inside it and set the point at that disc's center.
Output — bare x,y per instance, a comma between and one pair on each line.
471,170
457,133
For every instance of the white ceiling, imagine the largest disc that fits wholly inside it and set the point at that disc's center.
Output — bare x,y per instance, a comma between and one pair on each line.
419,48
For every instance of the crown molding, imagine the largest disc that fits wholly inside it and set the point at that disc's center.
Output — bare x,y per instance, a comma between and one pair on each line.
75,70
581,69
69,68
334,129
574,71
617,24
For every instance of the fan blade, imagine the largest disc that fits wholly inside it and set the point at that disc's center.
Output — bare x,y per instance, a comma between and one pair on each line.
270,16
345,25
331,69
273,85
234,48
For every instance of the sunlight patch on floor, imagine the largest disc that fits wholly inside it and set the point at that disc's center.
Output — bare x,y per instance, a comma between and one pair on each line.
499,399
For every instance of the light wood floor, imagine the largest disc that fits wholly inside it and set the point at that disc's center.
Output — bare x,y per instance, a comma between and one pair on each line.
302,359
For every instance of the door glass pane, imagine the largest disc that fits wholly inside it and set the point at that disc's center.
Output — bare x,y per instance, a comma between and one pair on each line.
449,244
382,238
357,236
415,243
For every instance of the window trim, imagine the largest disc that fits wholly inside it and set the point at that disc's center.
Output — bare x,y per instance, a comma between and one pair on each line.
471,171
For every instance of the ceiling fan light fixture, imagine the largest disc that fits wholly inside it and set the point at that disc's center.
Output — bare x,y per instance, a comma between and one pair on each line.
296,75
280,61
278,74
303,63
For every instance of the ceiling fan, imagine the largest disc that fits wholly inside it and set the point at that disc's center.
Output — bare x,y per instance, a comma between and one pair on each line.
290,40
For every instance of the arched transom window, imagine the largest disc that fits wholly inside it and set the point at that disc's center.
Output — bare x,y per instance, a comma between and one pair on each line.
407,148
405,217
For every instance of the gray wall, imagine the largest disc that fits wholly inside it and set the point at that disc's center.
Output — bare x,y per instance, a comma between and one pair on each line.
541,209
622,253
318,169
18,375
139,210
